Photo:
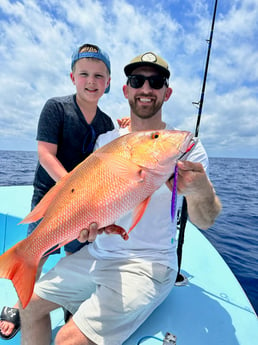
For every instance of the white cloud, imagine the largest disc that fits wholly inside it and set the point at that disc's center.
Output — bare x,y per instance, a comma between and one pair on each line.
37,39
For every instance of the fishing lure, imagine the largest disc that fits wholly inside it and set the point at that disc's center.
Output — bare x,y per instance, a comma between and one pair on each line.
175,175
174,194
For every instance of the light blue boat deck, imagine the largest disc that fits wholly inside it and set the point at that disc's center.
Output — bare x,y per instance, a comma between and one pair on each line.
212,309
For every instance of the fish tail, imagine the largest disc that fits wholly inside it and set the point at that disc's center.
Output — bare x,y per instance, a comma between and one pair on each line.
13,266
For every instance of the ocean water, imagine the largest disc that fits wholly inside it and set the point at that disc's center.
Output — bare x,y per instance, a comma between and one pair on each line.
235,232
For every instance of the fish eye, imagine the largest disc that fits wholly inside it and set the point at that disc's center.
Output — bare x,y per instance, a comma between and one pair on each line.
154,135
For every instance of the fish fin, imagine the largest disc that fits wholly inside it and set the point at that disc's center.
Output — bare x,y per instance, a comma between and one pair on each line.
116,229
138,213
122,167
40,209
22,273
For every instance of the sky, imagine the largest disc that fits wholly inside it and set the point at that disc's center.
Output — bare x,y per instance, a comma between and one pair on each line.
37,39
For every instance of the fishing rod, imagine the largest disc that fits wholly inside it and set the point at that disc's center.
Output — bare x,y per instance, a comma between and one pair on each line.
183,217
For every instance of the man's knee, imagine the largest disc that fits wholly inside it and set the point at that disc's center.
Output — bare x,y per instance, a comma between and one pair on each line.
66,332
71,331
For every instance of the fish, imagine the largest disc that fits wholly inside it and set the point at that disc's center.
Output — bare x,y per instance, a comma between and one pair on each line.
119,177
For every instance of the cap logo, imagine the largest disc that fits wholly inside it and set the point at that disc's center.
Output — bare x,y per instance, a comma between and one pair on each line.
149,57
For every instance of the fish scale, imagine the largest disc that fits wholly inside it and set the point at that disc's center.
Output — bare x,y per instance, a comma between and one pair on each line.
119,177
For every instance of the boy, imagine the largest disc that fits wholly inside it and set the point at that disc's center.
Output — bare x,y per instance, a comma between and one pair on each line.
67,130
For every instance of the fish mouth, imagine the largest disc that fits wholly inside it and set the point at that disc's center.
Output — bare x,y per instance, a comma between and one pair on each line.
187,147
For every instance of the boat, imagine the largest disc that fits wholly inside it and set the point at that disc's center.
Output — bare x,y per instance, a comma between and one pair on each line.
210,309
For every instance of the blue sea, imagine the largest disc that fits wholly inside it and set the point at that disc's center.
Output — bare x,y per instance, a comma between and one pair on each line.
235,232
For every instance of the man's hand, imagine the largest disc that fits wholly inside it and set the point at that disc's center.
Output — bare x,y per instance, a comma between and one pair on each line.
91,233
191,178
202,202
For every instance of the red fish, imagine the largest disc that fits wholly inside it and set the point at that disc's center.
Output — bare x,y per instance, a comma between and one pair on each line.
115,179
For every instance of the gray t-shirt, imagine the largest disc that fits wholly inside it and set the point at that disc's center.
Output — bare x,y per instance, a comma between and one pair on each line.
62,123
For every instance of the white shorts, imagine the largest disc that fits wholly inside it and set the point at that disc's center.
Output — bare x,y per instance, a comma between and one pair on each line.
109,299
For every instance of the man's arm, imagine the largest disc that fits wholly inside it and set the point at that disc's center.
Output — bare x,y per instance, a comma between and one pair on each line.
203,204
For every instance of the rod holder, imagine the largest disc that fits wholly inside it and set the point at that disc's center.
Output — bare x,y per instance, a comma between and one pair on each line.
170,339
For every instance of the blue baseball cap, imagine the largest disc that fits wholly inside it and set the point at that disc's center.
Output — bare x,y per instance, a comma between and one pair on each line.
97,54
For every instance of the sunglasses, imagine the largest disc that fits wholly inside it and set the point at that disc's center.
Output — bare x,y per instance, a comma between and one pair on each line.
89,141
156,81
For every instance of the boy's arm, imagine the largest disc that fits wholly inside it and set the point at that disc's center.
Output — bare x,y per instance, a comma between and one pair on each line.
47,158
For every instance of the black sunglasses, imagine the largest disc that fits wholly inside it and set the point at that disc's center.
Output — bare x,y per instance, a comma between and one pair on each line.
89,141
156,81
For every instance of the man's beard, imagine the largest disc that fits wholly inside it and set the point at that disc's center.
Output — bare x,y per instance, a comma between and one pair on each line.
144,112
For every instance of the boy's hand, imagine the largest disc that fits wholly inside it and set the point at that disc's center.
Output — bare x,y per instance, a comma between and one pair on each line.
124,122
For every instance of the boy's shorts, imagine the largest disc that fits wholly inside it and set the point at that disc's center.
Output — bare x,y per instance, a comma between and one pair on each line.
109,299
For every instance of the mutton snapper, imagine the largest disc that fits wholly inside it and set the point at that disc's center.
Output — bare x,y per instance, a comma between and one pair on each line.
113,180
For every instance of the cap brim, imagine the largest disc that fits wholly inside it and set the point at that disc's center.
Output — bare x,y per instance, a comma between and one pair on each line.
131,67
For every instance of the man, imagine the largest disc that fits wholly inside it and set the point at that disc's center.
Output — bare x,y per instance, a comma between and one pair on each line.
112,285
